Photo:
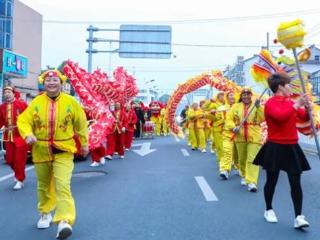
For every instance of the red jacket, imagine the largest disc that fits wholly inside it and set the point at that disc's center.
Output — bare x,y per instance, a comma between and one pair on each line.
9,113
119,120
130,120
281,120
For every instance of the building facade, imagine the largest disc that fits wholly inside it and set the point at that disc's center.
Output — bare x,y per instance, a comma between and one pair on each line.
21,40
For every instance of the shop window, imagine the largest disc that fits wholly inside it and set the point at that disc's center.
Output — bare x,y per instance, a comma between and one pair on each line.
8,26
316,58
9,9
1,40
8,41
2,7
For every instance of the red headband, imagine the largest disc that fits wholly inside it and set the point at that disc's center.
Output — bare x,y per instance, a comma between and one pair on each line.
51,74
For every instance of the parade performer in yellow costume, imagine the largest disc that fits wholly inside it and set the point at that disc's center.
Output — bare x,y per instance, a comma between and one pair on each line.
228,154
216,116
164,125
206,122
155,108
195,117
49,125
191,126
200,117
248,138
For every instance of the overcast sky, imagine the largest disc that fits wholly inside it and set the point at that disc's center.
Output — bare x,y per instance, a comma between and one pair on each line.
224,27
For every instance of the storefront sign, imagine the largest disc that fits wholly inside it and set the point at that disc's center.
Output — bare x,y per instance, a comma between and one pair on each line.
13,64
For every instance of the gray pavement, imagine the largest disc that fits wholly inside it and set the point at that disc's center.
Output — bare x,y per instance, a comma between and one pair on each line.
157,197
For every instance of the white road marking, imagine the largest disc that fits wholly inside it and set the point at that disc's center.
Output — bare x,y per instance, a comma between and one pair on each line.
206,189
185,152
12,174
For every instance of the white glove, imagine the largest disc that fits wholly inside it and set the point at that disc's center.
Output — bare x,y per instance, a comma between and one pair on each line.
123,129
30,139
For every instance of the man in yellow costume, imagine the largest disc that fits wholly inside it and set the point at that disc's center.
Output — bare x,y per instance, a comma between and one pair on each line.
216,116
164,125
49,125
247,137
190,117
228,157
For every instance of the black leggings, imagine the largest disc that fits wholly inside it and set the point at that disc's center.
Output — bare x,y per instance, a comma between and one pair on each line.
296,191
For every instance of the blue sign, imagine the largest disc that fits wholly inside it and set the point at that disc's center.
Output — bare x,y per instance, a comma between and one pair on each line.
145,41
14,64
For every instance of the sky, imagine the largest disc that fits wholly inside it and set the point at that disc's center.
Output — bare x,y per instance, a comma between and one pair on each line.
220,24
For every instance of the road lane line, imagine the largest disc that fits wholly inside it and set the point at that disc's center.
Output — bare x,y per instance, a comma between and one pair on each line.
206,189
185,152
12,174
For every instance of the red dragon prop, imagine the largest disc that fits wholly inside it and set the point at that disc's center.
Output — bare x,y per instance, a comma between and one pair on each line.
96,92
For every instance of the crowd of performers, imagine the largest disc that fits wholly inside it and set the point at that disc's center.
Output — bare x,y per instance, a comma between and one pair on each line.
216,121
132,121
234,124
54,127
236,128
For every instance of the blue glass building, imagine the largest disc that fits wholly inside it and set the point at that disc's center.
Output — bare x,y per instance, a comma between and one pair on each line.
6,14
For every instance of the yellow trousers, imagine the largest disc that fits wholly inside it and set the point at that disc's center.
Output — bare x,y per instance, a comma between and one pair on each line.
227,155
207,132
157,123
193,138
246,154
201,138
54,192
218,142
165,129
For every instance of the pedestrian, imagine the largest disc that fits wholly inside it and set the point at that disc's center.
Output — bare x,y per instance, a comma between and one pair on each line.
16,147
49,124
140,119
282,151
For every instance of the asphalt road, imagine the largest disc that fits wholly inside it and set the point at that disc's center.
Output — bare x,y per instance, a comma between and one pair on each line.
169,193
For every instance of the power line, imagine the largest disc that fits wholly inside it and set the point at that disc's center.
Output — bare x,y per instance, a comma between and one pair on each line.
192,21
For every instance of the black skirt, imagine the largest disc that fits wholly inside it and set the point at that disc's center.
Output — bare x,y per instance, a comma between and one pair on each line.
287,157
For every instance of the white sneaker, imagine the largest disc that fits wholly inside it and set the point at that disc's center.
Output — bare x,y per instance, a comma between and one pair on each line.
102,161
300,222
224,175
44,221
94,164
252,187
19,185
116,153
237,172
212,151
122,157
204,150
243,182
64,230
126,149
109,157
270,216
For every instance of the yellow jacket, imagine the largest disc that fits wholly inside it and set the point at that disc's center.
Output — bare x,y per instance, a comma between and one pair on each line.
53,123
190,118
251,130
226,132
217,117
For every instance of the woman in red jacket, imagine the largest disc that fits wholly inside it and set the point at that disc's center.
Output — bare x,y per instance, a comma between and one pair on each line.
130,120
282,151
